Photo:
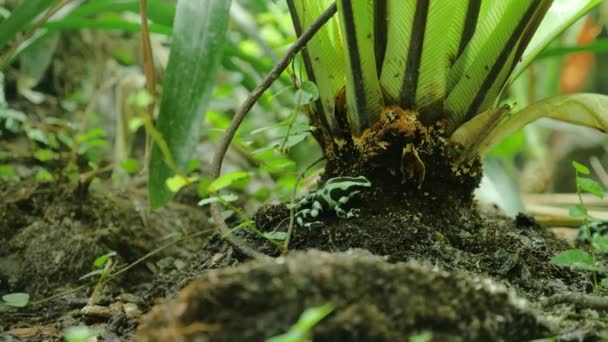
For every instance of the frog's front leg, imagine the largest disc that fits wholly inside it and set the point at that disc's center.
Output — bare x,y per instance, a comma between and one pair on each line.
306,217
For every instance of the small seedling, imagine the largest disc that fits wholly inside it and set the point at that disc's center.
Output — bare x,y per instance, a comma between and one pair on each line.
104,267
579,258
300,332
81,334
426,336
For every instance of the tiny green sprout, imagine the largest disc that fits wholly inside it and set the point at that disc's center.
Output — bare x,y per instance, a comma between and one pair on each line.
578,258
426,336
300,332
102,260
81,334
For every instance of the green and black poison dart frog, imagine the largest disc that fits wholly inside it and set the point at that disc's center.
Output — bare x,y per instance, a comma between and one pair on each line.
335,194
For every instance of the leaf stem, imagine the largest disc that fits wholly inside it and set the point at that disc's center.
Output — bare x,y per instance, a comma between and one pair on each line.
587,230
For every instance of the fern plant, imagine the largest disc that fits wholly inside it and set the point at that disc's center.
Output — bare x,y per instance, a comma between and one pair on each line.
409,90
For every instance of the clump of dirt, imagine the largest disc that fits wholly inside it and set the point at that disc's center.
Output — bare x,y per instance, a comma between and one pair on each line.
373,299
401,156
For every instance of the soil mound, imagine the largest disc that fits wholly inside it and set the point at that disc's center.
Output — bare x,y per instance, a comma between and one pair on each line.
373,299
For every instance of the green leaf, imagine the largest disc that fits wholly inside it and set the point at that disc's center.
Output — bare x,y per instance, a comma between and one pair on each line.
44,154
21,17
219,198
323,56
299,332
8,172
578,211
307,93
580,168
130,165
576,258
158,11
600,46
560,16
419,53
591,186
82,333
580,109
424,337
600,243
44,175
175,183
478,76
604,283
277,236
106,24
17,299
198,37
101,261
364,98
227,180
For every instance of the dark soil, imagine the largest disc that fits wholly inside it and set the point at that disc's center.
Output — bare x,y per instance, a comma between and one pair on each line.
431,265
374,300
50,234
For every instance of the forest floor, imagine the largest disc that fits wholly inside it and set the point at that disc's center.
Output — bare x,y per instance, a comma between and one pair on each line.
396,272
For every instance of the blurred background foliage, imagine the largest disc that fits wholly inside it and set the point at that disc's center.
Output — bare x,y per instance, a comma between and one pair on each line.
71,103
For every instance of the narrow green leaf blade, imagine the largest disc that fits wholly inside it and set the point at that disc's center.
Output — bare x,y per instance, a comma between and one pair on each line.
363,95
400,19
582,109
323,56
198,38
20,17
466,16
481,71
226,180
560,16
434,63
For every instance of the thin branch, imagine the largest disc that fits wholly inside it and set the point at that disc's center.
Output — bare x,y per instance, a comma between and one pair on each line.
216,165
580,300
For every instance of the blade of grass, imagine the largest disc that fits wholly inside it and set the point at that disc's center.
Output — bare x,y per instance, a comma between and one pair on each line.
21,17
